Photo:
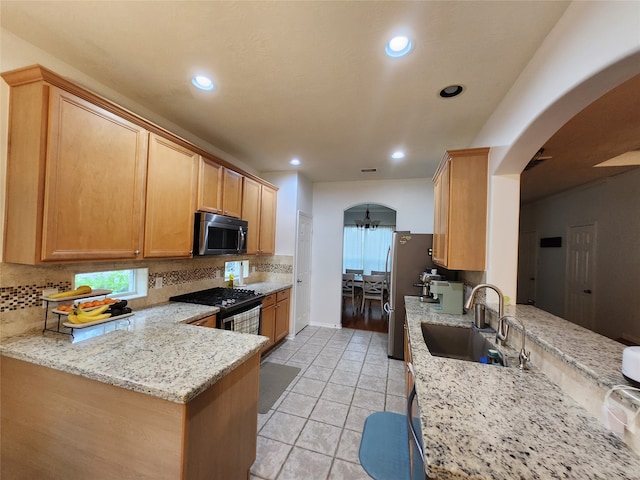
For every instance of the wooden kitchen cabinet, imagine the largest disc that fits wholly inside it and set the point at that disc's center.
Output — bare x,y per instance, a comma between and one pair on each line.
232,193
75,177
60,425
210,186
172,173
209,322
407,359
269,320
282,314
259,209
275,317
460,210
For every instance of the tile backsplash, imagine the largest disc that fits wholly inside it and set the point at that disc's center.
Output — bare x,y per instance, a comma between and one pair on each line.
21,286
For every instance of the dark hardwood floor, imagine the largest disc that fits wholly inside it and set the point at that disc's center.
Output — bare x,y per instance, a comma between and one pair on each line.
372,319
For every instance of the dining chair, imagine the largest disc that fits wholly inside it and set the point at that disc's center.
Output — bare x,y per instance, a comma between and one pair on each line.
378,272
354,270
373,289
349,290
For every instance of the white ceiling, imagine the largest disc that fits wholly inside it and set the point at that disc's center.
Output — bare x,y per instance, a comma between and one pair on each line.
307,79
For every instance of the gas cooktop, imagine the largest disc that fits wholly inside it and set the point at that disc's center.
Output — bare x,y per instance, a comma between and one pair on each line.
224,298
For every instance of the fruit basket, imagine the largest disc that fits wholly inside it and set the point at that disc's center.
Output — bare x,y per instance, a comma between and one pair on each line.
97,322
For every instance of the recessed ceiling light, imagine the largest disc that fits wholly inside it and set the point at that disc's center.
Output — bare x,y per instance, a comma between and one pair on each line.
398,46
202,82
294,161
397,155
451,91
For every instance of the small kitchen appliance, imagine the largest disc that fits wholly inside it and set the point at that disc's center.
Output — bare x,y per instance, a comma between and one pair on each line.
425,282
450,296
631,365
219,235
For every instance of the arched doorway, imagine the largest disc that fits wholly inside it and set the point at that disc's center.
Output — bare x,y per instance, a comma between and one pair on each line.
367,232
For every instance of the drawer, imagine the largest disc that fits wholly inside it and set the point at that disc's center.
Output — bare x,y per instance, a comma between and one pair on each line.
269,300
282,295
209,321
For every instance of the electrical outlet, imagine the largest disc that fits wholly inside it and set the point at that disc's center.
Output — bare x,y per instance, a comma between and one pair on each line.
46,292
158,282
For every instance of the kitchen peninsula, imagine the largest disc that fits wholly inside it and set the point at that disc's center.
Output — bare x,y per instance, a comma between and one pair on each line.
487,422
155,398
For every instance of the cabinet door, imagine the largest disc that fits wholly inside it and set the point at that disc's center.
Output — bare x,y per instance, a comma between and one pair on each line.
251,213
209,322
268,220
282,315
269,325
94,183
407,359
441,213
209,186
232,193
171,199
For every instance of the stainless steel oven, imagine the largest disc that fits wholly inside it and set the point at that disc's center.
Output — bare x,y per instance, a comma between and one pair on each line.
219,235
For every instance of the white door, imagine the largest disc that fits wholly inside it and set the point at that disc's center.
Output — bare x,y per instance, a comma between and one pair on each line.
527,268
302,287
580,279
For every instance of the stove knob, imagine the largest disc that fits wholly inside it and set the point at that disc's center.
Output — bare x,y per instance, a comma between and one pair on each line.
224,303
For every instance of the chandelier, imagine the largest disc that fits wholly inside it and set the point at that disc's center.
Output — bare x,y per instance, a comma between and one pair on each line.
366,222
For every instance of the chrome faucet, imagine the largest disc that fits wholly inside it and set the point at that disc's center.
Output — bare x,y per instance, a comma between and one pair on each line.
503,328
523,356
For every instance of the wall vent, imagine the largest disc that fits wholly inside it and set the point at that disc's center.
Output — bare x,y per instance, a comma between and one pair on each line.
537,160
368,170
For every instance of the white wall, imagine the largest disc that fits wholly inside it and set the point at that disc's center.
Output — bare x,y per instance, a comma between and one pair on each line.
411,199
613,205
594,47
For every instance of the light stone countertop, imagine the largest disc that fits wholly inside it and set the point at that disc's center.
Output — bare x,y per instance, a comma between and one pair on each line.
156,353
266,288
486,422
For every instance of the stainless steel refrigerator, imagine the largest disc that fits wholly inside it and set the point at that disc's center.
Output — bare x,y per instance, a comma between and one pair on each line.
408,257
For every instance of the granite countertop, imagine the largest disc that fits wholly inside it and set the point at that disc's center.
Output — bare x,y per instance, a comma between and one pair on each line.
486,422
156,353
266,288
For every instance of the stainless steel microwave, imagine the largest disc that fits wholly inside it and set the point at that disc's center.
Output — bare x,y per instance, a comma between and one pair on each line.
219,235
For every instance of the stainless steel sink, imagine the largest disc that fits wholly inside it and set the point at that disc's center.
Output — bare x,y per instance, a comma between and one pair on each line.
461,343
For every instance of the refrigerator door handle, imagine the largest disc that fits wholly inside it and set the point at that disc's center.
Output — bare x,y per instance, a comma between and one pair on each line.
387,308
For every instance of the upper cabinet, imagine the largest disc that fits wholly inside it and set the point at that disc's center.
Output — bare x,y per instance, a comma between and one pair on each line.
75,179
259,209
209,186
460,210
231,193
172,173
88,180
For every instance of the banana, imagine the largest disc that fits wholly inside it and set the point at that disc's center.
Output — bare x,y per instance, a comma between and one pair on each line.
74,318
93,313
81,290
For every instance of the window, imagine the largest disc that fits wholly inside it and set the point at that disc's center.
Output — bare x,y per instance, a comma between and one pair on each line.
127,284
366,249
239,269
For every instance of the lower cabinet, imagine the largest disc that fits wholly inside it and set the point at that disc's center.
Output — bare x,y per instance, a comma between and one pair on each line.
407,360
275,317
59,425
209,322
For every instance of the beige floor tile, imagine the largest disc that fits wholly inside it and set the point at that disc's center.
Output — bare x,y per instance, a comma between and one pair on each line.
349,446
305,465
263,417
333,413
319,437
318,373
327,361
376,384
353,355
368,399
344,377
338,393
309,386
342,470
356,418
349,365
283,427
396,387
357,346
270,455
297,404
374,370
396,404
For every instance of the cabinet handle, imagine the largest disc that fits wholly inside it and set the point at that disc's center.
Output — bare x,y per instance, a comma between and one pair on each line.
137,252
